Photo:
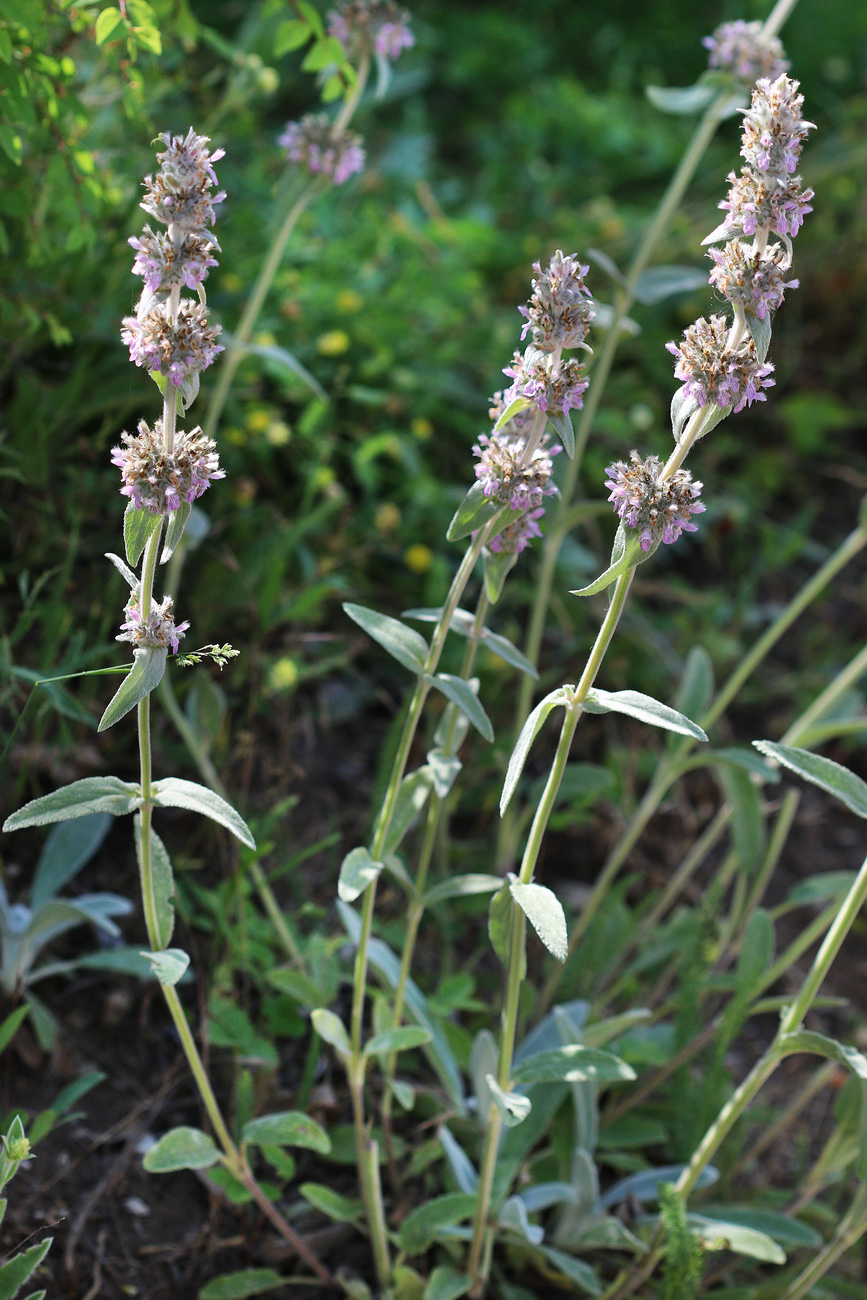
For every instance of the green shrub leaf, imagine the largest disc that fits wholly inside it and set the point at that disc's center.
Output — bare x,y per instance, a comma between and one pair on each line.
420,1228
544,911
573,1063
288,1128
823,772
403,643
173,792
464,697
181,1148
642,707
357,870
138,528
149,664
560,697
92,794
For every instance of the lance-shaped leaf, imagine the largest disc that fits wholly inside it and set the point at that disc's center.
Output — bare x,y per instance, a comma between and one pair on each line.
169,965
464,697
149,664
181,1148
561,421
178,520
760,331
562,696
138,528
444,769
515,407
544,911
242,1283
497,567
332,1029
626,554
401,1039
683,101
464,624
173,792
357,871
643,707
500,923
513,1106
805,1040
403,643
92,794
420,1228
660,282
573,1063
288,1128
684,406
125,572
474,512
823,772
715,1234
15,1272
412,796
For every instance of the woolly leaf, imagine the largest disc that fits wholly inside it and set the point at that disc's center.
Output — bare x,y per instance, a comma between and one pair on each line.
169,965
181,1148
823,772
173,792
529,732
545,913
289,1128
573,1063
642,707
138,528
149,664
178,520
464,697
683,101
422,1226
357,871
475,511
403,643
513,1106
92,794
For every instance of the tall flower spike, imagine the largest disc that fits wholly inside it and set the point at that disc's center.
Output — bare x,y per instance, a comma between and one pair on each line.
741,49
660,512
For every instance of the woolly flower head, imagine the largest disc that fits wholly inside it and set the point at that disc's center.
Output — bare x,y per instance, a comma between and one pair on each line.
371,27
756,202
159,631
312,143
740,48
659,511
166,264
711,371
179,195
509,475
517,535
755,278
178,348
159,480
774,129
549,382
561,308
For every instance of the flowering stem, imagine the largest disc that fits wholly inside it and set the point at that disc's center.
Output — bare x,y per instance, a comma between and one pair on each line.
247,324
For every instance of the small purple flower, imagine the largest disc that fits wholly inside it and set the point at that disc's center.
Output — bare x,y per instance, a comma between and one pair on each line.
312,143
517,535
176,348
711,371
757,202
659,511
740,48
158,631
547,380
774,129
752,277
371,27
166,264
509,476
561,308
157,480
179,195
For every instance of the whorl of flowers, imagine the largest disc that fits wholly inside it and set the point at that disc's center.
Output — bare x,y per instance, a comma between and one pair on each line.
511,477
179,195
158,480
753,277
774,129
561,308
659,511
158,631
758,202
714,372
178,347
313,143
517,535
371,27
740,48
547,380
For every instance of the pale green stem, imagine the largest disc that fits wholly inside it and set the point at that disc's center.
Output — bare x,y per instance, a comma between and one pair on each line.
852,1227
265,279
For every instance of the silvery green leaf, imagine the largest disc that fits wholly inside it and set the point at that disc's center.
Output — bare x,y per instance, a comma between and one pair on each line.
67,848
403,643
823,772
138,528
607,264
717,1235
125,572
573,1063
661,282
683,406
626,555
644,708
644,1186
514,1218
241,1283
92,794
683,101
444,769
411,798
500,923
722,232
474,512
464,697
169,965
497,567
484,1060
514,408
562,423
178,520
513,1106
401,1039
404,1093
282,358
357,871
760,331
422,1226
545,913
541,1196
574,1269
332,1029
463,623
805,1040
173,792
446,1283
288,1128
561,697
149,664
461,887
459,1162
745,760
181,1148
342,1209
504,648
163,881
